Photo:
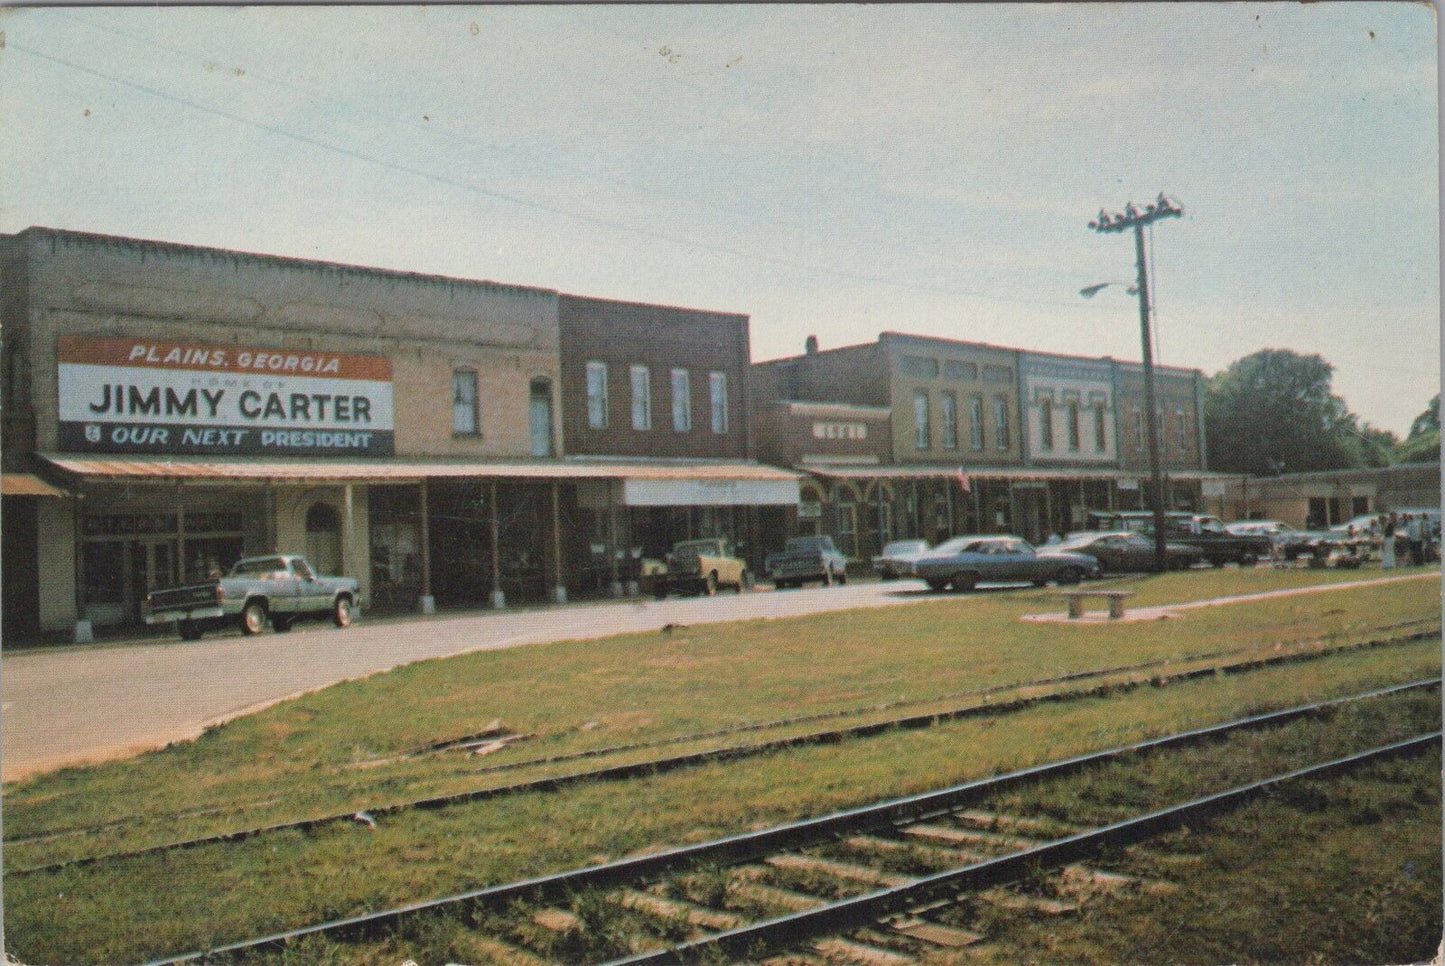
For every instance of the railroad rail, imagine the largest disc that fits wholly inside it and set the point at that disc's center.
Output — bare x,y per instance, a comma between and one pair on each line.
925,810
1178,670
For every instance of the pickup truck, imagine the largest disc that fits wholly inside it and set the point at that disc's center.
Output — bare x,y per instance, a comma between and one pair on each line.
280,588
701,567
807,558
1195,529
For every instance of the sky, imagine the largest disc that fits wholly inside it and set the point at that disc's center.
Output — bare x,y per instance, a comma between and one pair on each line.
828,170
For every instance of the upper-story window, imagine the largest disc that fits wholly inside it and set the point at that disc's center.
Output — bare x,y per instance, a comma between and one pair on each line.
641,397
919,367
1046,423
597,395
1001,428
1139,430
921,432
464,403
539,417
975,421
950,421
681,400
957,369
997,374
1071,424
717,385
1182,424
1099,427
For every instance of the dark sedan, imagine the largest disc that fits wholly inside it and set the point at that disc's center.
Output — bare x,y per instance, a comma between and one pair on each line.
1125,552
964,562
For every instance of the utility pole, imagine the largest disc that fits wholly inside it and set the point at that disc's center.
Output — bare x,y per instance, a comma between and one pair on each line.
1137,218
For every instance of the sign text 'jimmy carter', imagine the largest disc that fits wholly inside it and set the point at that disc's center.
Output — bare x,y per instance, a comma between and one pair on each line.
135,396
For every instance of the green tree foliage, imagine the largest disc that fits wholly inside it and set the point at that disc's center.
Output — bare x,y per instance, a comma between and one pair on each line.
1423,443
1274,412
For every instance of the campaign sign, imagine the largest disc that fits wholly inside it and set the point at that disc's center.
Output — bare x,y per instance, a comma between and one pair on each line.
142,396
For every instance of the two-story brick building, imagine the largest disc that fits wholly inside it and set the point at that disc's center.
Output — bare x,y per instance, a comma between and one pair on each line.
169,408
981,438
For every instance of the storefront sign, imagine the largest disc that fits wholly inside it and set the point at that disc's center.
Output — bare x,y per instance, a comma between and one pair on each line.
136,396
710,493
840,431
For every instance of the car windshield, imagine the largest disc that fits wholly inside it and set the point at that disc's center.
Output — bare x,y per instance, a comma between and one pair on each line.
957,545
263,567
810,543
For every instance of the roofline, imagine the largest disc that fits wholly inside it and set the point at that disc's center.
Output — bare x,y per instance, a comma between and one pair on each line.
284,260
652,305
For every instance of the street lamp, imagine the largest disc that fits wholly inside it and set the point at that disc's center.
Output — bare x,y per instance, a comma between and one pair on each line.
1136,218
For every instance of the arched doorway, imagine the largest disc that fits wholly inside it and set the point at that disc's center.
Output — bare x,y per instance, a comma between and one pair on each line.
323,538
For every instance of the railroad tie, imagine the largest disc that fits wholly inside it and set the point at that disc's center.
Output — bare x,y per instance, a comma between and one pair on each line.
995,821
846,951
777,898
963,836
557,920
693,914
839,870
1015,902
934,934
501,953
1085,881
942,856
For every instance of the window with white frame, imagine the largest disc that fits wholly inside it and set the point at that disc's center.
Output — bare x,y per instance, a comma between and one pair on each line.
1182,424
1001,429
717,385
921,431
1071,424
1139,430
681,400
641,397
464,402
950,421
1099,427
597,395
1046,423
975,421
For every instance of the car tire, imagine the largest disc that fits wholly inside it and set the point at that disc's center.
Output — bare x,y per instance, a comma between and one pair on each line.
283,625
747,582
842,578
343,611
1069,576
937,586
253,618
963,583
709,585
1248,560
827,580
189,630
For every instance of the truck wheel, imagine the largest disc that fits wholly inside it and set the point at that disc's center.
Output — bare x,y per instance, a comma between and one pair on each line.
1070,575
253,618
964,582
189,630
745,582
827,577
282,625
342,612
1248,560
843,578
937,586
659,590
709,584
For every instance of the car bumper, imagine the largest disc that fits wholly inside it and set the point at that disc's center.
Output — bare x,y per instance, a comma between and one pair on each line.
189,614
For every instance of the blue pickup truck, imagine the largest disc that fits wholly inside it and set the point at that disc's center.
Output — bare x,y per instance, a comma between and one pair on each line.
281,589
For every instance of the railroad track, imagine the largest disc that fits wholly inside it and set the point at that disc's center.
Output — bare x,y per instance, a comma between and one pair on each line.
990,701
857,886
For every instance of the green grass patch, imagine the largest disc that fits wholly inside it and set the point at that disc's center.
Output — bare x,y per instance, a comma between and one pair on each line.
336,750
129,910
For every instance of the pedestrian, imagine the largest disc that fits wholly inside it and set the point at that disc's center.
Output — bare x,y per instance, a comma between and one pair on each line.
1387,545
1416,533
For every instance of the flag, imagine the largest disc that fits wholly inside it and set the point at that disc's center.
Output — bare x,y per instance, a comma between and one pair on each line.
963,479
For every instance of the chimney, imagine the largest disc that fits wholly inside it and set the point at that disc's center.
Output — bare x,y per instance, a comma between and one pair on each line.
810,347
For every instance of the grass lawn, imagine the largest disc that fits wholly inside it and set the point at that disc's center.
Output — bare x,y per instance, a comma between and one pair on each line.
318,754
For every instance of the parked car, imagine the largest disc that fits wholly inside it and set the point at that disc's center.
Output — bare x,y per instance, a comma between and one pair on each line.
1196,529
1125,552
898,557
964,562
1286,541
281,588
807,558
701,567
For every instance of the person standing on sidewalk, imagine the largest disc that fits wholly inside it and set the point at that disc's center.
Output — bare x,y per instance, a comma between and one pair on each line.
1416,534
1387,542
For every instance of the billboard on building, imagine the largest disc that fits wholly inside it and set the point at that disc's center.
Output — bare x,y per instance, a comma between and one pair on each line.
143,396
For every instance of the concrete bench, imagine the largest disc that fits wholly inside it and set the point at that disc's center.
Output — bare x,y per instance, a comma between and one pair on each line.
1115,598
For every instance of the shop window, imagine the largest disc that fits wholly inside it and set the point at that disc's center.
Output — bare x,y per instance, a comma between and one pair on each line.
597,395
464,402
539,416
921,431
847,516
641,397
323,538
950,421
718,391
975,420
681,400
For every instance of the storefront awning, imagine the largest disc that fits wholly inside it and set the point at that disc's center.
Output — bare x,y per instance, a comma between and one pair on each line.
640,473
28,484
927,472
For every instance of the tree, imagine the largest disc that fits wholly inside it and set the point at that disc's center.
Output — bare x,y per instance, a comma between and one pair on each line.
1274,412
1423,443
1426,421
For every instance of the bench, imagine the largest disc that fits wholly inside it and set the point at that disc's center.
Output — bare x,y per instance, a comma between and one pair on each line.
1115,598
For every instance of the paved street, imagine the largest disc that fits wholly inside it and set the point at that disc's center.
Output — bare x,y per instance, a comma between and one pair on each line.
88,704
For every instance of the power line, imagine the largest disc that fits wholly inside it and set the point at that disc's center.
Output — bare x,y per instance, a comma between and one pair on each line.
591,220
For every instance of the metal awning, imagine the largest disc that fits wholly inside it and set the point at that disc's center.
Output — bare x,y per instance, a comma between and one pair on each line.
28,484
219,470
951,473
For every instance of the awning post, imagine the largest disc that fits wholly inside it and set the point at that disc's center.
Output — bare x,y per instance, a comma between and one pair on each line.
499,599
427,604
614,586
559,592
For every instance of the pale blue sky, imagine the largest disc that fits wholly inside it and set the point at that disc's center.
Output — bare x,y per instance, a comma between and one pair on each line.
832,170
